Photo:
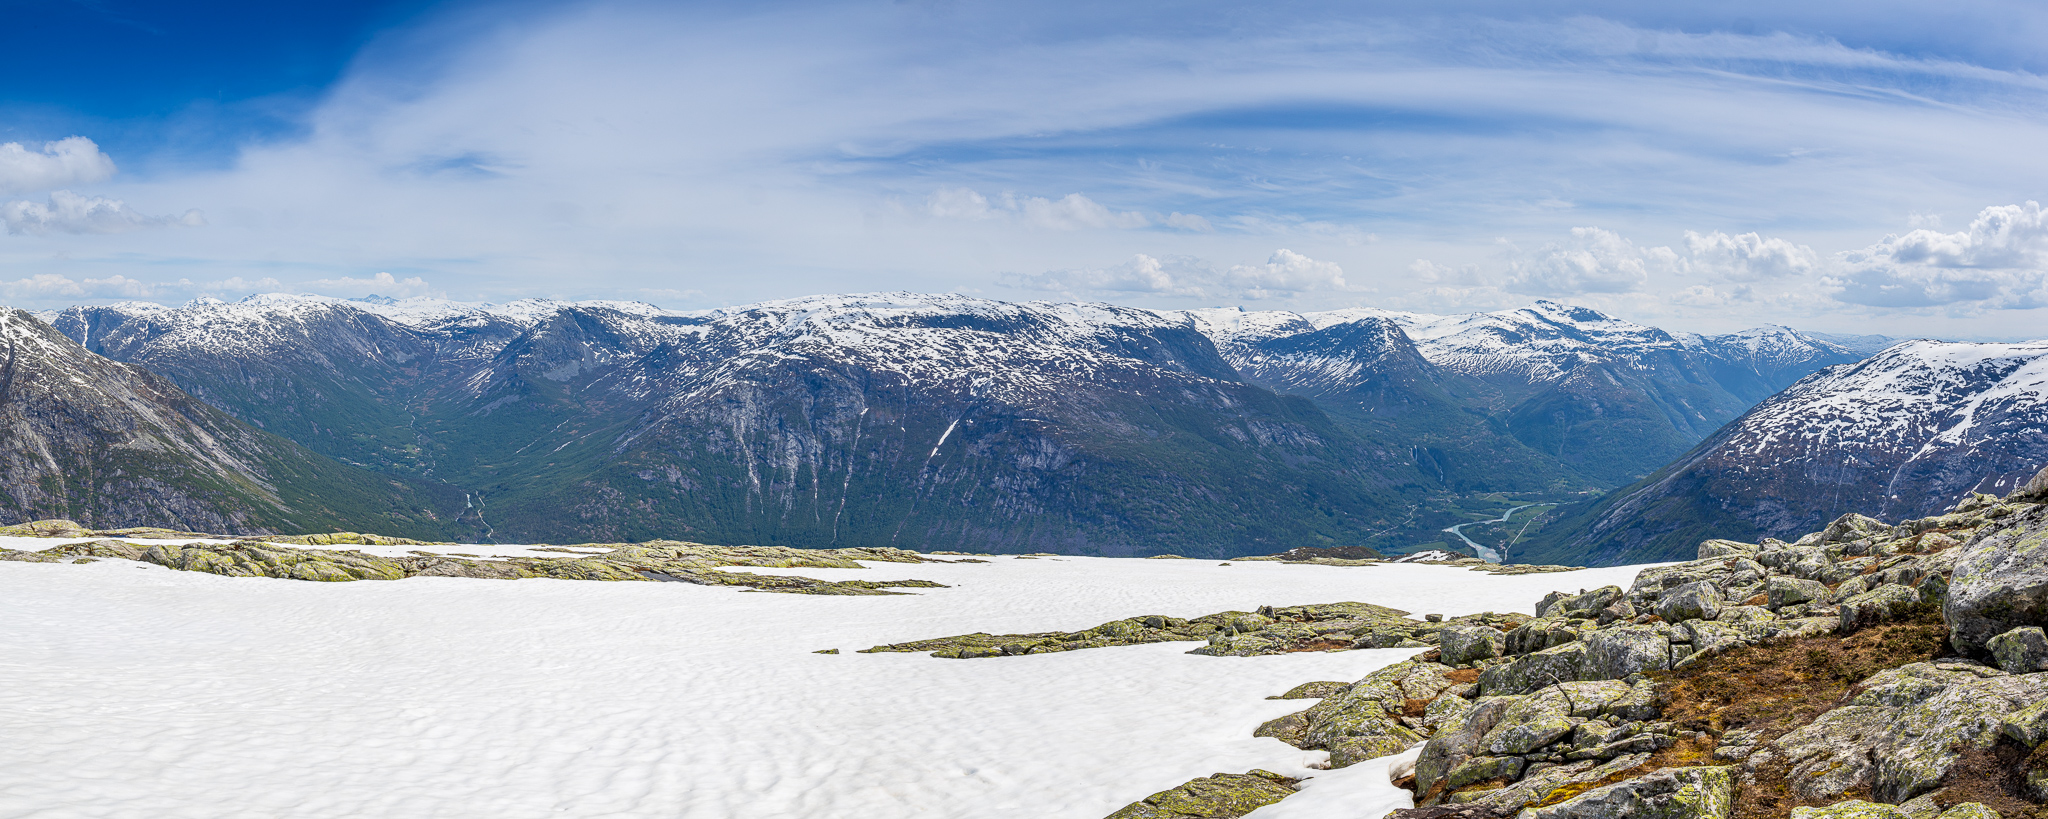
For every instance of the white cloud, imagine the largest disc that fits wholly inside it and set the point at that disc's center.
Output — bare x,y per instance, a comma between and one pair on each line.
1286,273
68,212
1074,211
958,203
44,286
1071,212
1709,296
70,161
1433,273
2000,261
1187,221
1748,257
1592,260
1179,276
382,284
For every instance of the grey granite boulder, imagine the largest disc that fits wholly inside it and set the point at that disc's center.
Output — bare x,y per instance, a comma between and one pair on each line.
1457,741
1830,756
1615,653
1464,645
1698,600
2021,650
2035,491
2000,581
1671,793
1926,739
1543,632
1789,591
1710,549
2027,726
1852,809
1584,605
1887,602
1565,663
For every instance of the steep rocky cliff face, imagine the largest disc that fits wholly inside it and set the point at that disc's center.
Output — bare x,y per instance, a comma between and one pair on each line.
1898,435
113,445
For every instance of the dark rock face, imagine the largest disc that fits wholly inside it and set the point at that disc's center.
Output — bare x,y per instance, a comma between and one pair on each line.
1900,435
113,445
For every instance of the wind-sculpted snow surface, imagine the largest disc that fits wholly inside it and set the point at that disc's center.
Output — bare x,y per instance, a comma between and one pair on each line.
137,691
1899,435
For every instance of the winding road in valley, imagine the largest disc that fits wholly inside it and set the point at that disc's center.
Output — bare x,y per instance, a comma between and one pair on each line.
1487,553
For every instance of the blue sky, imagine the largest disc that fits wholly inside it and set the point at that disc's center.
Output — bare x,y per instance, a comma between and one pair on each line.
1855,168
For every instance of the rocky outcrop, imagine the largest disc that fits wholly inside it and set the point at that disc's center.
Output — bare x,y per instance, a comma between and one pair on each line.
666,561
1385,713
1222,796
1270,630
1672,793
2000,581
1566,717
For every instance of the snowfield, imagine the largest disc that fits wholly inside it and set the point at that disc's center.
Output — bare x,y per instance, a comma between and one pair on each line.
130,690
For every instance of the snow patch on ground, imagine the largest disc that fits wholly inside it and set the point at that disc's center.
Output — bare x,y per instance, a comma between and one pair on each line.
130,690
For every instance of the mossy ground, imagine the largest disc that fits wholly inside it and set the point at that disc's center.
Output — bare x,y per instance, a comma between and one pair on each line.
1777,686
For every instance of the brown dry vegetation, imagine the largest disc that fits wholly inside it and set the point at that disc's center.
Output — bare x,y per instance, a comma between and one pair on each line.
1780,685
1996,778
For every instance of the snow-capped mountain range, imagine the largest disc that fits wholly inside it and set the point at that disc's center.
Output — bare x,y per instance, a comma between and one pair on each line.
1900,435
957,420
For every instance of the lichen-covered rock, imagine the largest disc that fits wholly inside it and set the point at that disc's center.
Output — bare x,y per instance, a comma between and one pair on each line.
1887,602
1291,728
1540,783
1926,739
1530,723
1698,600
1830,757
1584,606
1615,653
251,558
1463,645
2034,491
2000,581
1312,690
1789,591
1565,663
2027,726
1321,627
2021,650
1671,793
1222,796
1916,683
1970,810
1484,769
1457,741
1544,632
1710,549
1853,526
1364,721
1852,809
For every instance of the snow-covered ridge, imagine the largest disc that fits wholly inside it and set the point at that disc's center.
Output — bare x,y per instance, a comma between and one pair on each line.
1918,396
1539,343
921,333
